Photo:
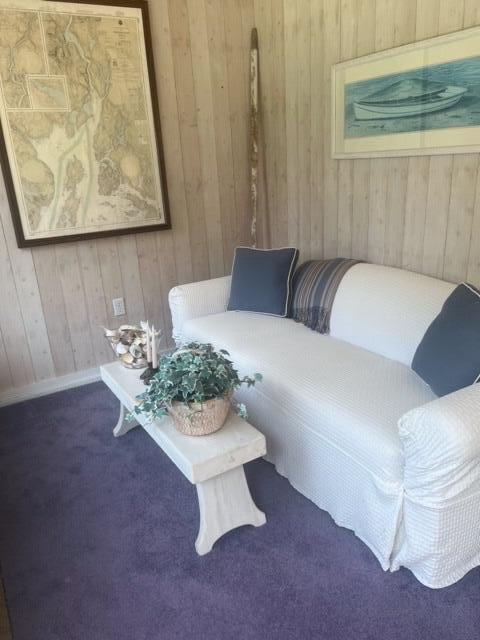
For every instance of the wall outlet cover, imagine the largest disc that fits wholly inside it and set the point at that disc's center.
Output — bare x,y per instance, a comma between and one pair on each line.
118,307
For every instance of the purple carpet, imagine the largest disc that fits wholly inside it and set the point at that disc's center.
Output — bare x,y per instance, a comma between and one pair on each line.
97,543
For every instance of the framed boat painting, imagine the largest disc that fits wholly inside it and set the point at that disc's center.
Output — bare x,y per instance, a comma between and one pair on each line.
80,141
418,99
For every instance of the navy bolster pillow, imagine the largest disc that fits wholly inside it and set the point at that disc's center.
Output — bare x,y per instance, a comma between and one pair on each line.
262,280
448,356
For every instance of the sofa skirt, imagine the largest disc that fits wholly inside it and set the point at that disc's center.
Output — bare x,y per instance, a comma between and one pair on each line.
333,480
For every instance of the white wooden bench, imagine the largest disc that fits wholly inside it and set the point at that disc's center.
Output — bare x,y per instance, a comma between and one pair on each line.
214,463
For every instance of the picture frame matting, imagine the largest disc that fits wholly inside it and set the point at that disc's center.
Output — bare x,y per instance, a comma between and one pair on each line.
417,99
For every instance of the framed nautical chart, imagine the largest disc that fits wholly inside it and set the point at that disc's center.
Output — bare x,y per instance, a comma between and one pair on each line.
80,140
419,99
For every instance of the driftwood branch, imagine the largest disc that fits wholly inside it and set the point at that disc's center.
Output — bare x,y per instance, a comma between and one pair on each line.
254,134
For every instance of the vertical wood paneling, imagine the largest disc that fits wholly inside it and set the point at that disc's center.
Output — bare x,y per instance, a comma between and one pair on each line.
426,26
266,196
462,202
462,194
316,128
268,231
404,32
15,340
471,18
450,18
451,15
6,380
237,79
348,48
473,269
187,116
395,211
111,276
161,42
168,279
221,114
54,309
471,13
377,208
380,170
291,100
60,296
422,213
415,209
303,126
75,306
460,216
150,267
206,133
131,281
331,52
436,215
279,229
28,296
361,167
97,303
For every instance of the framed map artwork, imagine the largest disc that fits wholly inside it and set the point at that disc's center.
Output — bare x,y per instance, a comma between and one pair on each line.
80,141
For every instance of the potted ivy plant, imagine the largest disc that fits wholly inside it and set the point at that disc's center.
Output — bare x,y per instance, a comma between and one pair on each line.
195,385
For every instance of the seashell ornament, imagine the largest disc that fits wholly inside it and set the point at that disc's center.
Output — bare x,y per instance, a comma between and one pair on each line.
136,350
129,344
127,359
121,348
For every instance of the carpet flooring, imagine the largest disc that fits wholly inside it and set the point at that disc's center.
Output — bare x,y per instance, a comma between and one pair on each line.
97,543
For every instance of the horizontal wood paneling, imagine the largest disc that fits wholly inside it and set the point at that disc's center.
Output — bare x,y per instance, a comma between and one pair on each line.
419,213
55,299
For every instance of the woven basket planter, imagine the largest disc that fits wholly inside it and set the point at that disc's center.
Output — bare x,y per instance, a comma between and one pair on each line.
200,419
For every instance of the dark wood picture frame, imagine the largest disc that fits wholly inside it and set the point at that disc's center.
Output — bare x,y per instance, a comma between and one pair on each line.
5,162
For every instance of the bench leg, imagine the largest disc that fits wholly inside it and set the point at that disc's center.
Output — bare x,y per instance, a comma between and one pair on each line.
225,503
123,425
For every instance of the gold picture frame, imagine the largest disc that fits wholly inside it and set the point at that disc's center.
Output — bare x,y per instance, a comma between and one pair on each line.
417,99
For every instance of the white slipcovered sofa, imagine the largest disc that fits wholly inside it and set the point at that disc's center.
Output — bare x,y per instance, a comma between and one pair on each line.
350,424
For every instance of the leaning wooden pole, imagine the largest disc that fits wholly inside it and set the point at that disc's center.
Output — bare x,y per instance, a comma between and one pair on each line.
254,135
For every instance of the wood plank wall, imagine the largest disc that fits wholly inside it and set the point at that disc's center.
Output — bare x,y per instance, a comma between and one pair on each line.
419,213
55,298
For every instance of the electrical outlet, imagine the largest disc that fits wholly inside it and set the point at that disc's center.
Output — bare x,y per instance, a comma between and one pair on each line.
118,307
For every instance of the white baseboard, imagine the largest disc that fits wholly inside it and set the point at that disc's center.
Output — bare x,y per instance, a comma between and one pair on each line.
52,385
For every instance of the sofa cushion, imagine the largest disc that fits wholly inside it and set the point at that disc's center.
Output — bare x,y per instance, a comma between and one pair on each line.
448,357
386,310
351,397
262,280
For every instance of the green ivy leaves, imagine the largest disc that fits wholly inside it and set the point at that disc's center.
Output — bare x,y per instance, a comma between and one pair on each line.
195,373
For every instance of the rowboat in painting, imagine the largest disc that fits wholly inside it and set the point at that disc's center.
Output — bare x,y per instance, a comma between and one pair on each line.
407,98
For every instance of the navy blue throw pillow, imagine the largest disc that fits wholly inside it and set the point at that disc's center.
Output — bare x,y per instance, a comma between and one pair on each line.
448,356
261,280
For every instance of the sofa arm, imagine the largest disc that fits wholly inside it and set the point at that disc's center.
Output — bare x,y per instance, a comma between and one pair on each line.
441,443
197,299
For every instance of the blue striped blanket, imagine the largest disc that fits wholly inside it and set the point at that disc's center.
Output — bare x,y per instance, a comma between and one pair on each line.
315,284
